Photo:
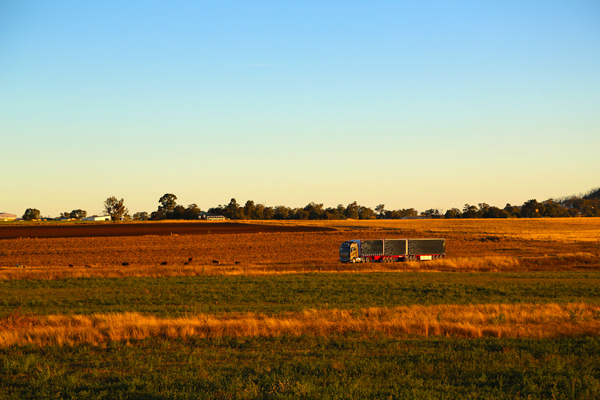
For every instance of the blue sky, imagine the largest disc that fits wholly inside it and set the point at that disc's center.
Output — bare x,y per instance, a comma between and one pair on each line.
410,104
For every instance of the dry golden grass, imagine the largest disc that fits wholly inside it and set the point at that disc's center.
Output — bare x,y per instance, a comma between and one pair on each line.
555,229
469,321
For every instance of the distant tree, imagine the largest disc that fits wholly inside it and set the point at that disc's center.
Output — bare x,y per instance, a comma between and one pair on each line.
249,209
141,216
351,211
268,213
483,208
259,212
494,212
453,213
470,211
380,210
65,215
218,210
157,215
298,213
31,214
532,209
553,209
192,212
593,194
167,204
177,213
514,211
233,210
314,210
281,212
591,208
115,208
334,213
365,213
391,214
432,213
78,214
409,212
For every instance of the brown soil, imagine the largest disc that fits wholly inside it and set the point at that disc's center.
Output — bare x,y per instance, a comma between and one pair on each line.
146,229
165,249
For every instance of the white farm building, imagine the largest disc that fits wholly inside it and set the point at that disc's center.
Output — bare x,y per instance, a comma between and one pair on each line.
97,218
7,216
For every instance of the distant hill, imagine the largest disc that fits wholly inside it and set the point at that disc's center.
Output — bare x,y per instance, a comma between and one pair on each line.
593,194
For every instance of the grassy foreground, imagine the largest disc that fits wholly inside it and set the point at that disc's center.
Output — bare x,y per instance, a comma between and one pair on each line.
182,296
529,335
306,367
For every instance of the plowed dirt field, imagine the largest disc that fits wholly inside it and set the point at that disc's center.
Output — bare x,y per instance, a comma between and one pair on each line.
142,229
161,249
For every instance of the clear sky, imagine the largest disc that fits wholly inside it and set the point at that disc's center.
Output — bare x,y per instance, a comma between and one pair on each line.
424,104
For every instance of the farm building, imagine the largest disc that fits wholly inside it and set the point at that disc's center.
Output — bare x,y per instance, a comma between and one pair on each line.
7,216
97,218
209,217
216,218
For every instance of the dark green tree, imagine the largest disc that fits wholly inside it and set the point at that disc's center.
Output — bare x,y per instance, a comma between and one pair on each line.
453,213
470,211
167,204
78,214
281,212
314,210
115,208
177,213
192,212
259,212
141,216
233,210
269,213
380,210
335,213
432,213
31,214
495,212
514,211
249,209
554,210
532,209
365,213
593,194
351,211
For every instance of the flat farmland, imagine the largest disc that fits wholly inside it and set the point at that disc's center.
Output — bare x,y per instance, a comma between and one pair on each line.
263,309
193,248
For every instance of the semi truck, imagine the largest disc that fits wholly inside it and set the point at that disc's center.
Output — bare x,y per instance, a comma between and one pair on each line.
392,250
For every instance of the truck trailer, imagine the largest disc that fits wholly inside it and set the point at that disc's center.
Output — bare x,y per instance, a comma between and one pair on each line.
392,250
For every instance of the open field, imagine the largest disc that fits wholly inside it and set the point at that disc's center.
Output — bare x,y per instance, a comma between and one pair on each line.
512,312
412,335
472,245
79,229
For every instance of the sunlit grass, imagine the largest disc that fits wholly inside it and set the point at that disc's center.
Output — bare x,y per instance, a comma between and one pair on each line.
560,229
467,321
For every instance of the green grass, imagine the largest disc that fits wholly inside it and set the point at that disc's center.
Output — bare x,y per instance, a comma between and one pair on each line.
340,367
335,367
274,294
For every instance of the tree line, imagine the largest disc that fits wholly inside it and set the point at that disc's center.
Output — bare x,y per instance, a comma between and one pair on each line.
587,205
